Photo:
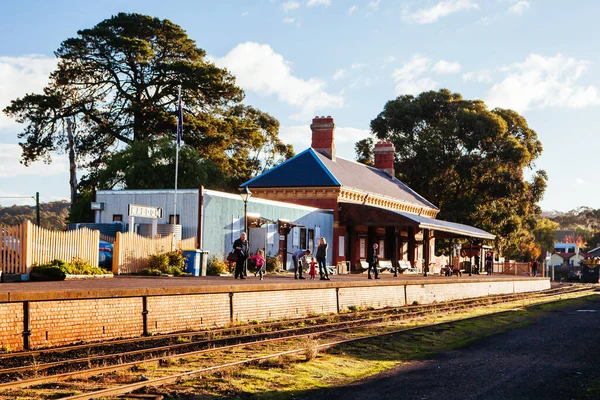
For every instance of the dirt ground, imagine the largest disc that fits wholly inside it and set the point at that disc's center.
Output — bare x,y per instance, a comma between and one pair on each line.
555,358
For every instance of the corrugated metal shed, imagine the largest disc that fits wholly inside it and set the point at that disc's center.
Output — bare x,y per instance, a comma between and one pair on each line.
222,217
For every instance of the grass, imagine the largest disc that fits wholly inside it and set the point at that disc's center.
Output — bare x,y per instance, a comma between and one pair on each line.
290,376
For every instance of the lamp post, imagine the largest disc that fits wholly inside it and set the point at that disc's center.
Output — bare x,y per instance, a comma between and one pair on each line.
245,194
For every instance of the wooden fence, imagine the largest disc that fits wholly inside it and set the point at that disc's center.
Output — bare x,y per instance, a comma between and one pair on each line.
26,245
132,251
11,251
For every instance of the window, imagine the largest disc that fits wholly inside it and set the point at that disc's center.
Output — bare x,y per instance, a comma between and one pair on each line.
311,240
171,219
381,249
117,217
303,238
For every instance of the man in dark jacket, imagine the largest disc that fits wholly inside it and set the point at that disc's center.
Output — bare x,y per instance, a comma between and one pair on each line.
372,260
240,247
296,258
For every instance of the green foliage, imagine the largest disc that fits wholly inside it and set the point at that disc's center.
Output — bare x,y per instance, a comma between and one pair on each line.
467,160
58,269
544,234
53,215
273,263
81,210
171,263
216,266
117,83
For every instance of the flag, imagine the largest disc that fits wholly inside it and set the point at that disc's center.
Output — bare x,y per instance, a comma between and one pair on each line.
179,120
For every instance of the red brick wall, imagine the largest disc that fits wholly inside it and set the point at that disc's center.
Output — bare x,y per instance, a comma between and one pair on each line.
183,313
11,326
264,306
56,323
61,322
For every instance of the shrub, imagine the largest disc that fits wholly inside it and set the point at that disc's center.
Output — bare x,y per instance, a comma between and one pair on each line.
273,263
171,263
58,269
216,266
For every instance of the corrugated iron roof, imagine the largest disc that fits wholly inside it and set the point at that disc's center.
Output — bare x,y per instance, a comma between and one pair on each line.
311,168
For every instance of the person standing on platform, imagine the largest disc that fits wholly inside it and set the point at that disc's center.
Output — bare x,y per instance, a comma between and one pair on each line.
298,257
489,263
372,260
322,259
477,265
240,247
260,262
534,267
313,269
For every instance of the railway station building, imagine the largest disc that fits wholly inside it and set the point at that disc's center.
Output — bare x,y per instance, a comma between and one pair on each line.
370,205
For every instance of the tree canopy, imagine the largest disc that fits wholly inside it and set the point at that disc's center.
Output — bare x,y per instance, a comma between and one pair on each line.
468,160
117,83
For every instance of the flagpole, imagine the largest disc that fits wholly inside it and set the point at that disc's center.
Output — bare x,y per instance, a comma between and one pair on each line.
178,141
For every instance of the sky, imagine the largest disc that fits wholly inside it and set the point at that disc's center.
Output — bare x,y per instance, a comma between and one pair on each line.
296,59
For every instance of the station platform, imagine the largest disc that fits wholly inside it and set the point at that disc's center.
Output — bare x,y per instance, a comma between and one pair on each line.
46,314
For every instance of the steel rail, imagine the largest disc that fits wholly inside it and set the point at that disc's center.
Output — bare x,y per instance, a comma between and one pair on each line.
127,388
241,328
100,370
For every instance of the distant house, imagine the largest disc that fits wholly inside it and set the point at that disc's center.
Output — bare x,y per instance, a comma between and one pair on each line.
572,259
562,247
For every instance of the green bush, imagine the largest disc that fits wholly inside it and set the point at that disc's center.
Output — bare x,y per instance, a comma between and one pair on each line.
171,263
273,263
59,269
215,266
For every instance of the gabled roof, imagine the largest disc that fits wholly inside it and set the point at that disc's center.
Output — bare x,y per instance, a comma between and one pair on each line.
304,169
311,168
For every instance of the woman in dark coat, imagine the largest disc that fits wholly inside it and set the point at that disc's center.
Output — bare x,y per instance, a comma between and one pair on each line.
322,259
240,247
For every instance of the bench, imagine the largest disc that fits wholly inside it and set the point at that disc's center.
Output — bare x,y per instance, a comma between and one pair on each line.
385,265
406,268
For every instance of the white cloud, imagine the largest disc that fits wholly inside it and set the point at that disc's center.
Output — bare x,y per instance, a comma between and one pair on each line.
245,13
260,69
446,67
580,181
21,75
340,74
289,20
374,4
345,137
325,3
290,6
352,9
441,9
10,155
541,82
408,78
389,59
478,76
519,8
358,66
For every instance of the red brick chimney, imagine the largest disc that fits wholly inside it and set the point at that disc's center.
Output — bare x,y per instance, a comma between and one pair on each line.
384,157
322,136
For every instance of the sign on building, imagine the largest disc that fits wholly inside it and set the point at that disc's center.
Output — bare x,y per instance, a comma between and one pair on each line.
136,210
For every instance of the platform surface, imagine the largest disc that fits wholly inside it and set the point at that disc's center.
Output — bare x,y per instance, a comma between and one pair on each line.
123,286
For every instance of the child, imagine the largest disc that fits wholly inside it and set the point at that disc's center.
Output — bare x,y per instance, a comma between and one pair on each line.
260,262
313,268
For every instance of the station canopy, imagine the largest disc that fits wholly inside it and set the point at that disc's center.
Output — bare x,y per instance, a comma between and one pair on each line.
362,214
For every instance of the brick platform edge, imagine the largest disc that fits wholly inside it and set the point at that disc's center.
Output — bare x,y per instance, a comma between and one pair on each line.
31,320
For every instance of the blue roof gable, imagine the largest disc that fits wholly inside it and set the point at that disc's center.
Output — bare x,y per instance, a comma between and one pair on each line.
304,169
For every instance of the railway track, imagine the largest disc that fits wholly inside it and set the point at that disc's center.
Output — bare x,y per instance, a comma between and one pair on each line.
61,364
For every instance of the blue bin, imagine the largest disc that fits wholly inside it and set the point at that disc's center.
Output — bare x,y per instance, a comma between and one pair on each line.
195,262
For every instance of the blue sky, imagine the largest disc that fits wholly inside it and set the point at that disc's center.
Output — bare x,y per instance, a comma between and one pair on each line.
297,59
